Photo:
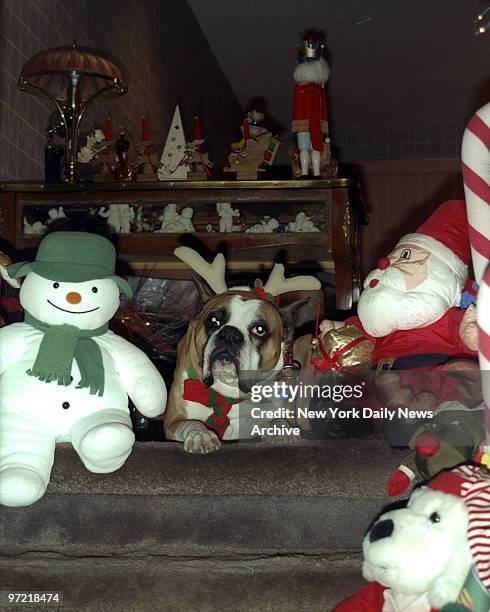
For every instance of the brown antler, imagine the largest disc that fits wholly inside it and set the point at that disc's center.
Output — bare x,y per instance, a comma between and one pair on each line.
212,273
277,284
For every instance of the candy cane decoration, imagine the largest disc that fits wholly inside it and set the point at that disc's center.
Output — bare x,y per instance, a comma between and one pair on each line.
475,156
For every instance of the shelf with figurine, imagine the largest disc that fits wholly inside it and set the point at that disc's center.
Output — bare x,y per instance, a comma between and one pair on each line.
309,223
157,217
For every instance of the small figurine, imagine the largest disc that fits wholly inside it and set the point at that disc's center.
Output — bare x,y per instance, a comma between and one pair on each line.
173,222
302,223
226,214
123,170
310,102
126,215
169,216
246,162
93,146
186,219
266,226
105,173
112,216
258,146
54,214
174,163
119,218
34,228
139,220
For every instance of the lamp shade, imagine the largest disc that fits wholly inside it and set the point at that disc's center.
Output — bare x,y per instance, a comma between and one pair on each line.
48,73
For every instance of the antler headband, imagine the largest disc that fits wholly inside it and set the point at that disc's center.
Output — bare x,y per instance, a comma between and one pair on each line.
214,274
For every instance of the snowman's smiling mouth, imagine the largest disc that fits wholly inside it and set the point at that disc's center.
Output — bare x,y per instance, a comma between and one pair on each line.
73,311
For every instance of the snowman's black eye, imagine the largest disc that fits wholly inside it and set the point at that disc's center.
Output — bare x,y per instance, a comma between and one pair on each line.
94,289
435,517
56,285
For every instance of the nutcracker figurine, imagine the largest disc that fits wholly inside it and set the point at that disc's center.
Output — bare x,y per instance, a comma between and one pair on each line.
310,102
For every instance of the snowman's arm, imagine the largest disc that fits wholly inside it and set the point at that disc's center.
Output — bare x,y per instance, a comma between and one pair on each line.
12,341
140,378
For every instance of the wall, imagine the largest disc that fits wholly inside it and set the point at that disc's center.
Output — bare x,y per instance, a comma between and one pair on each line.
168,61
399,196
405,76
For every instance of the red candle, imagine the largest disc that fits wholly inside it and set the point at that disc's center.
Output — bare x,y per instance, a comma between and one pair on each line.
197,129
108,129
246,131
145,129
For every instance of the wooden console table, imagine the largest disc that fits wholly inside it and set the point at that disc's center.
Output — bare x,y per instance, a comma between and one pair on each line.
27,209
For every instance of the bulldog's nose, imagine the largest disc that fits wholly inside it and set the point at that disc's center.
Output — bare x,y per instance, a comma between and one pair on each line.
381,530
73,297
230,335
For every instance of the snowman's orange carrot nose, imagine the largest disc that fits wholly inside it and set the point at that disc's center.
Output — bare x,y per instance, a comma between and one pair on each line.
73,297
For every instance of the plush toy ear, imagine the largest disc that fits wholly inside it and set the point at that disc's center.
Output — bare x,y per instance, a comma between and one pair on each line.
288,314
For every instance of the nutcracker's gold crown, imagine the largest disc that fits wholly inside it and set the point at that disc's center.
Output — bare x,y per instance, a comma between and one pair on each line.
311,49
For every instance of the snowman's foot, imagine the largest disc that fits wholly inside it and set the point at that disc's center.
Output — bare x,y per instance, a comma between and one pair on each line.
20,486
105,447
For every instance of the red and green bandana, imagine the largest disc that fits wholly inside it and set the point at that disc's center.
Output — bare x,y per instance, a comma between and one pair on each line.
196,391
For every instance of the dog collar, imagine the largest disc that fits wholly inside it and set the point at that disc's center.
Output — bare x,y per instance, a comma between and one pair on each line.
196,391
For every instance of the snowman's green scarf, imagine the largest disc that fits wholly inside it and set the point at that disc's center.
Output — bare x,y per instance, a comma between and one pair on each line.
59,346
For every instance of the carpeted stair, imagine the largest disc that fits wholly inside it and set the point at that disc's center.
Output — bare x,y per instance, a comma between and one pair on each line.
254,527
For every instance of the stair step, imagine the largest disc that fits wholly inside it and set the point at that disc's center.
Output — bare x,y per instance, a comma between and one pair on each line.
277,584
259,499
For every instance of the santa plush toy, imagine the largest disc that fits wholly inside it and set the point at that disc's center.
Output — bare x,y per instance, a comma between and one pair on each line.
410,306
310,102
410,313
432,553
418,286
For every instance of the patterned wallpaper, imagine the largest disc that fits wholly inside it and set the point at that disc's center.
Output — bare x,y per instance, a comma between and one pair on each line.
167,58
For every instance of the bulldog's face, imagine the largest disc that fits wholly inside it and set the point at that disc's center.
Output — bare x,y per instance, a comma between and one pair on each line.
237,332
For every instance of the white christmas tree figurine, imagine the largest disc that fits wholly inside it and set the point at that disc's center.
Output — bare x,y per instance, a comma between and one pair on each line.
174,163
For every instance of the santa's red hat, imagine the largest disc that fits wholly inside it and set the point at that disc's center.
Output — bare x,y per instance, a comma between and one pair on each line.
472,484
445,235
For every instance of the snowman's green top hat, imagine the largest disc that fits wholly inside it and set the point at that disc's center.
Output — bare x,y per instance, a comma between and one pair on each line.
73,257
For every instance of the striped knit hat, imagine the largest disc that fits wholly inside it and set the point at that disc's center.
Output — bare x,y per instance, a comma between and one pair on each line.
472,484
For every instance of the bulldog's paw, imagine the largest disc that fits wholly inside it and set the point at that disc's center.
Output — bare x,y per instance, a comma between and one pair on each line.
201,442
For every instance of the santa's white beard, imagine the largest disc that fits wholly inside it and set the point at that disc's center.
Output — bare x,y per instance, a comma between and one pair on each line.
389,307
312,72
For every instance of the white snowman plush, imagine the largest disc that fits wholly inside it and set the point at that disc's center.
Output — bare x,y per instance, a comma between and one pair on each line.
64,377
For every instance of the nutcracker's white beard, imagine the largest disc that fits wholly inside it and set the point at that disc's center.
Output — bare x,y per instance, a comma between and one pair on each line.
389,307
312,72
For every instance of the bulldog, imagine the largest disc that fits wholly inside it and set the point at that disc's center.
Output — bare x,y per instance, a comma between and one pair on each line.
239,338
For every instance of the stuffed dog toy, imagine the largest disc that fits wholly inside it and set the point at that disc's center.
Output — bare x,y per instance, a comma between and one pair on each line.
432,553
239,330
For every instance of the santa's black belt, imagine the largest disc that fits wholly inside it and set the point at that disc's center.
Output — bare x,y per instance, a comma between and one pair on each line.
414,361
